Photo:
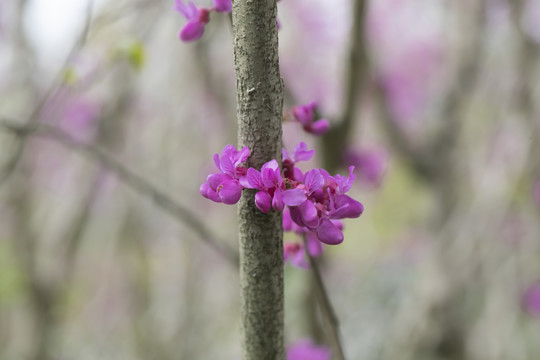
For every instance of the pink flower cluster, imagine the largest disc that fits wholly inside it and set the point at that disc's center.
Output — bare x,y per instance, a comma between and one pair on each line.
198,17
314,199
305,115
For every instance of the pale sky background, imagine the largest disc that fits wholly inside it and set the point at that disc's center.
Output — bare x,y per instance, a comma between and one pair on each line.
53,25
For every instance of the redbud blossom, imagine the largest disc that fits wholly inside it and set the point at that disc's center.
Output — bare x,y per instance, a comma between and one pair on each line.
224,186
531,299
369,164
304,114
223,6
295,254
197,18
315,200
307,350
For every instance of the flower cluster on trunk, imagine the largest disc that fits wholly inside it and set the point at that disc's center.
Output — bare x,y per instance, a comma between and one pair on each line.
314,200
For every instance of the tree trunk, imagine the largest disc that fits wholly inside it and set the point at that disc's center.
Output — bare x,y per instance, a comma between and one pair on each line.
260,100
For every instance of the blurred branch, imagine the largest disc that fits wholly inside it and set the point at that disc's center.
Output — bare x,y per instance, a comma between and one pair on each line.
11,164
527,61
331,322
528,55
356,75
425,160
336,140
131,179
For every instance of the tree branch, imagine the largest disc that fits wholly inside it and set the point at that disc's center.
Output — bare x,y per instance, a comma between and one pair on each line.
336,140
259,92
330,319
127,176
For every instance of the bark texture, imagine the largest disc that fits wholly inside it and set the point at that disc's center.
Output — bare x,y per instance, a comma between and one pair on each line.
260,104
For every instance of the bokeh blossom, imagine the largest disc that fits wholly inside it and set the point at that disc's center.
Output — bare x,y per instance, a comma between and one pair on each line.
531,299
223,6
295,254
369,164
305,115
307,350
198,17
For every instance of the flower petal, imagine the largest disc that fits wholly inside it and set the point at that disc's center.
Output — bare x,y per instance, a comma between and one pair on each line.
214,180
253,180
294,197
328,233
298,175
287,220
314,246
263,201
346,207
208,193
309,214
277,200
271,177
192,31
314,180
229,192
242,155
301,152
223,6
320,127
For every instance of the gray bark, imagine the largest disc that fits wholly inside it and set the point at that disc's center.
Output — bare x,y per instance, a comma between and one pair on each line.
260,101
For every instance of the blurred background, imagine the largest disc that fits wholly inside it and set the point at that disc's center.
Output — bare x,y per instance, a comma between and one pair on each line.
108,125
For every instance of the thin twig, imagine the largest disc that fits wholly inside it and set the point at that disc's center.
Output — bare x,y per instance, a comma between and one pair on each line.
336,140
131,179
330,319
11,165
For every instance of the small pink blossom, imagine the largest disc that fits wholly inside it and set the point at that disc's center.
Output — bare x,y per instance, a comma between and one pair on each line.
295,254
307,350
272,189
531,299
197,19
300,153
223,6
304,114
225,186
370,165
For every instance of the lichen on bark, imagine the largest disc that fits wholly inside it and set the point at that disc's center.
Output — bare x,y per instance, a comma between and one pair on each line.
259,109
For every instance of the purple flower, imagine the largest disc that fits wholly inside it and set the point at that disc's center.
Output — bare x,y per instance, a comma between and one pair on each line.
304,114
197,18
307,350
370,165
225,186
531,299
295,254
223,6
316,201
314,246
326,201
300,153
270,183
230,160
